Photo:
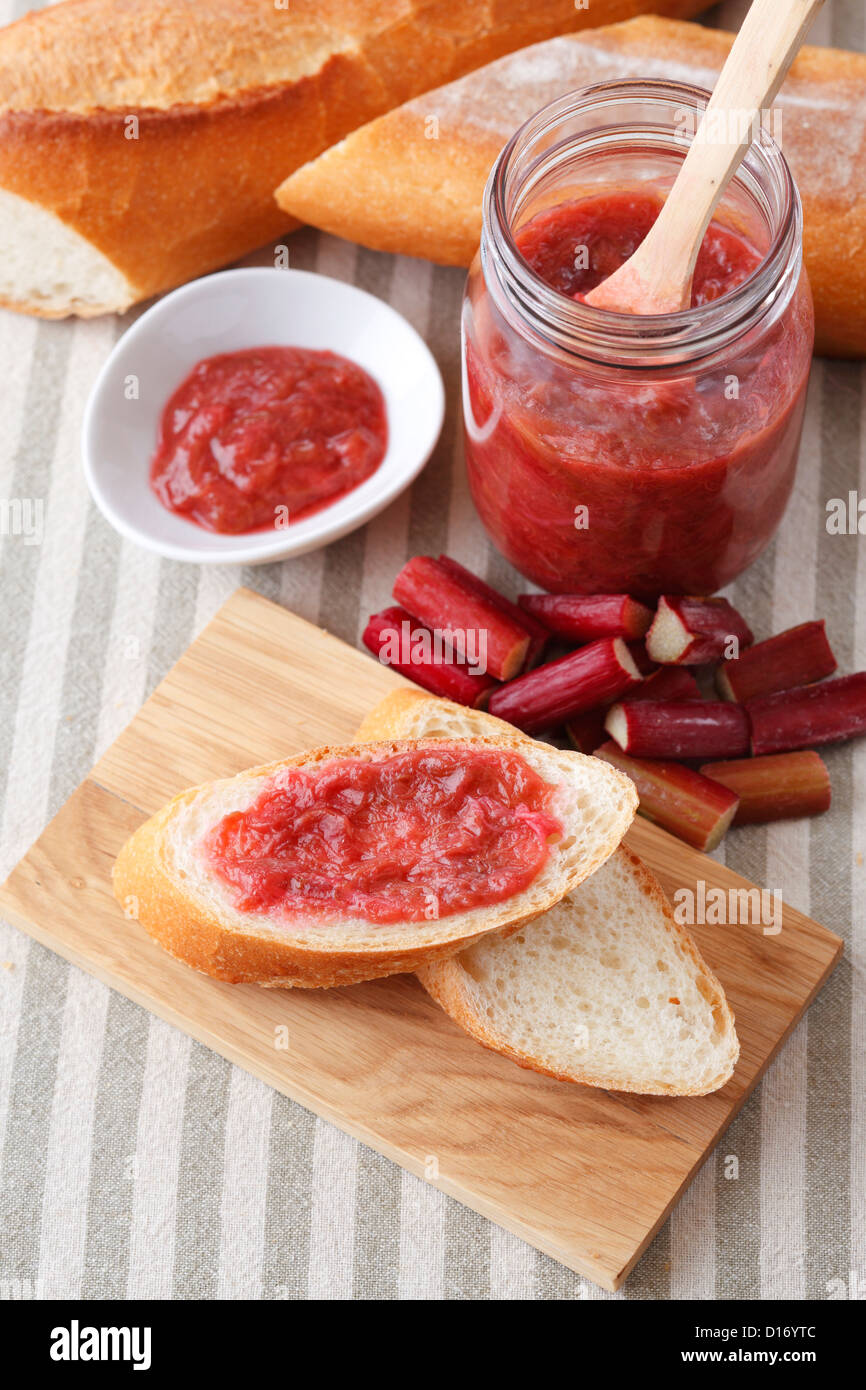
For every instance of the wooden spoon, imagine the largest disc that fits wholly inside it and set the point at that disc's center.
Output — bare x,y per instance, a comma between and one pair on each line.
657,279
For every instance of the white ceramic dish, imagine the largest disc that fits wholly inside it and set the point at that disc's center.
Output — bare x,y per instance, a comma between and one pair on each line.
226,312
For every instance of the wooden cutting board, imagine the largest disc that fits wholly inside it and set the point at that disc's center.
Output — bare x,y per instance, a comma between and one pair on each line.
586,1176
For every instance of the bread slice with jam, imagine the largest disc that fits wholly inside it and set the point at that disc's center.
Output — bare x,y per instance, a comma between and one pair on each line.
605,988
168,878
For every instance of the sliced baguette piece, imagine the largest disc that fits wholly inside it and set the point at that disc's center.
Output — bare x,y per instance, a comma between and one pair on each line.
163,878
606,988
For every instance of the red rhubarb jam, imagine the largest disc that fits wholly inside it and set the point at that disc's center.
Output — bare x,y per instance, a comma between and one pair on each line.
266,437
411,836
613,453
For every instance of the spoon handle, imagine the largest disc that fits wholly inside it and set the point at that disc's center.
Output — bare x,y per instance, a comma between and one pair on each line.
661,269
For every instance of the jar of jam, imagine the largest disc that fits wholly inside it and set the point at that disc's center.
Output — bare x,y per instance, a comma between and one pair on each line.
619,453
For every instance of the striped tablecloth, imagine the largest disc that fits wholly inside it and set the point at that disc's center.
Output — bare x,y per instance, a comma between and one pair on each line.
136,1163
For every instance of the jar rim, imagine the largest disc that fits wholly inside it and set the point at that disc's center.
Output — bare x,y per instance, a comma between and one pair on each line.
605,335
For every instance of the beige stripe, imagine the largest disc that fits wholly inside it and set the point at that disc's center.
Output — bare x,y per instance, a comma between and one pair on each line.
70,1139
385,551
17,344
783,1094
154,1166
245,1187
858,927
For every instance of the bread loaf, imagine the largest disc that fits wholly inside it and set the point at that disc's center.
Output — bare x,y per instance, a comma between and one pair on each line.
141,140
164,877
393,187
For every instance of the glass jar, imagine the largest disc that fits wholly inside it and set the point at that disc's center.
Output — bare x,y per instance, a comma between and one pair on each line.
611,453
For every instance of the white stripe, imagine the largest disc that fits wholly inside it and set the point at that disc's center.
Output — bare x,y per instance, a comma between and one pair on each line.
125,675
693,1237
154,1165
216,584
512,1266
332,1214
784,1090
16,351
422,1240
41,691
70,1138
245,1187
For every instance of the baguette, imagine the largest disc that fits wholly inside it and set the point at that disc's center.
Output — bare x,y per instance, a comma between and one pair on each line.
163,878
141,140
605,988
394,188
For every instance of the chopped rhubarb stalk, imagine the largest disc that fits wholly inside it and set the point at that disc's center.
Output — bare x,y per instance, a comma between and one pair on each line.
691,631
641,659
585,617
666,683
474,628
679,729
551,694
809,715
781,786
688,804
796,657
539,636
586,732
409,648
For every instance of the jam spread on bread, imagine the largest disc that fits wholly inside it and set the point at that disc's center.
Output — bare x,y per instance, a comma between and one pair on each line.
412,836
267,436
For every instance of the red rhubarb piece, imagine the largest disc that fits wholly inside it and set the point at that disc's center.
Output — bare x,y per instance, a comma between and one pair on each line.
666,683
474,628
781,786
798,656
411,649
679,729
551,694
692,631
641,658
539,636
809,715
586,731
688,804
585,617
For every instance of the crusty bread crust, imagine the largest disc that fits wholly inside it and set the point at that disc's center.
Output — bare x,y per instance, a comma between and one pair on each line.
401,185
393,717
229,98
448,983
147,886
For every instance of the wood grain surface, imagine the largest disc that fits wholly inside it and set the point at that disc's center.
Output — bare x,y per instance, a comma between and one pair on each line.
586,1176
